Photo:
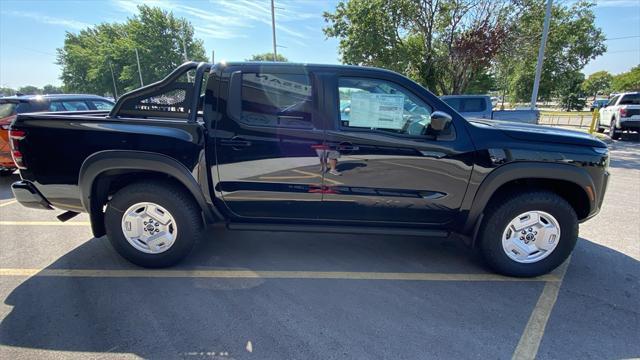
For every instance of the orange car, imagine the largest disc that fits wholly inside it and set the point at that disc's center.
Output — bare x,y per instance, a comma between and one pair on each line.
13,105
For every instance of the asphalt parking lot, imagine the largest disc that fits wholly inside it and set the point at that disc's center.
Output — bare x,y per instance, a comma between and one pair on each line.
249,295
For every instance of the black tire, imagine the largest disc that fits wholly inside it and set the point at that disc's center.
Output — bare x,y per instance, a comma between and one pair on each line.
613,132
499,215
174,199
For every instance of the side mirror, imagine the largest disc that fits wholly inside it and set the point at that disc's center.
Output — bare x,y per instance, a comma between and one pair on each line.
440,121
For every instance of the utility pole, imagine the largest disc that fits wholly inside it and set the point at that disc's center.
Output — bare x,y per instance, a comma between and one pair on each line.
543,43
139,70
273,30
115,88
213,56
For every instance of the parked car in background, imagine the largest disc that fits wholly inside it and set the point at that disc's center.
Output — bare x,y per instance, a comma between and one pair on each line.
480,107
621,113
11,106
163,163
597,104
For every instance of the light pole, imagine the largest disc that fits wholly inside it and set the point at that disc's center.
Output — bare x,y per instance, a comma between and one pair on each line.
115,88
273,30
543,43
139,71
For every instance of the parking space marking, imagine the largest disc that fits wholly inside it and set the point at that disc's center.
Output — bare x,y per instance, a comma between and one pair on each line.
534,330
259,274
9,202
334,182
44,223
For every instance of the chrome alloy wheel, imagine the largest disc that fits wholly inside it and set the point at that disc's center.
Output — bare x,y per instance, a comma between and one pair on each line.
531,237
149,227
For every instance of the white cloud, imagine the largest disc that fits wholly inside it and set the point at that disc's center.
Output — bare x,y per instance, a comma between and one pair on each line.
224,19
45,19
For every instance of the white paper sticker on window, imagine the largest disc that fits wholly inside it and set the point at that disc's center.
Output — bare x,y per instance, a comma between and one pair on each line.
376,111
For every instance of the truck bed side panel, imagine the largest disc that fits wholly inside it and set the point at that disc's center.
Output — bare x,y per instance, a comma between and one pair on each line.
56,146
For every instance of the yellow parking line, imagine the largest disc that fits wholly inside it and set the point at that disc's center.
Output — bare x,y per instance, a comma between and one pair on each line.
44,223
325,178
8,203
534,330
249,274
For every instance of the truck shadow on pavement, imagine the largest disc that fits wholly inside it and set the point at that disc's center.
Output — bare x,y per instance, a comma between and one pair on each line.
5,186
595,316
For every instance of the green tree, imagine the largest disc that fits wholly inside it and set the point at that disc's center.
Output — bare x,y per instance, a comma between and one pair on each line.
267,57
570,90
51,89
446,45
597,83
5,91
91,58
627,81
573,41
30,90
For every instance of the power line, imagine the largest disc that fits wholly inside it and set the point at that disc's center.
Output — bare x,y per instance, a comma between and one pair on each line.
622,51
623,37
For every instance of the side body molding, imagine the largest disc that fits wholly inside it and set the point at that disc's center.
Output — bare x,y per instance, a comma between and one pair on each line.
108,160
523,170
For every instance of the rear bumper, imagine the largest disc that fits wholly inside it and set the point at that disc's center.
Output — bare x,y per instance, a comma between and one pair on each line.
27,195
630,124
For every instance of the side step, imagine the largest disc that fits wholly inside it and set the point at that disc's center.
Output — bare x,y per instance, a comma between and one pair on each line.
338,229
67,216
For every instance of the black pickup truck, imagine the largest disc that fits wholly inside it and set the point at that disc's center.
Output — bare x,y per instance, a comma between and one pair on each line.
315,148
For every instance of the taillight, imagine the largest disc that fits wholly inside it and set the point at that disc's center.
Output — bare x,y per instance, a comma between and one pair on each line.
623,112
15,136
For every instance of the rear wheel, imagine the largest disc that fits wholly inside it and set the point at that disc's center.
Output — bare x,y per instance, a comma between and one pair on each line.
529,234
153,224
613,132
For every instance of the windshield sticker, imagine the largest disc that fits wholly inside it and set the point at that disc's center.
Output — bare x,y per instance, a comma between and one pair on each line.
376,111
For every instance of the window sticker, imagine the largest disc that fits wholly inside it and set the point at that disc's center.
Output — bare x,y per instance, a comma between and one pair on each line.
376,111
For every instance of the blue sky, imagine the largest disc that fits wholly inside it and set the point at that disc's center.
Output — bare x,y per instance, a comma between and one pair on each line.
30,31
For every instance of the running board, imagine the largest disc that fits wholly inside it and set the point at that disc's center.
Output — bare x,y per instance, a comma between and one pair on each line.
336,229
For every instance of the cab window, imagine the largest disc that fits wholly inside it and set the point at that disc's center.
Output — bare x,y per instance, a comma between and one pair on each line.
277,100
377,104
613,100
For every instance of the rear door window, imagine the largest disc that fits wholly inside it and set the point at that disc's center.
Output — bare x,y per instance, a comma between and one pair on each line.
101,105
630,99
277,100
474,104
75,105
7,109
461,104
56,106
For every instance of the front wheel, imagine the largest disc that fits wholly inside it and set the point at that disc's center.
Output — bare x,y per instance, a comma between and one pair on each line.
529,234
153,224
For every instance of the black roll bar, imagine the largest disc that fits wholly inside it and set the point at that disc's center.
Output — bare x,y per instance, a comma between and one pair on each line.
201,68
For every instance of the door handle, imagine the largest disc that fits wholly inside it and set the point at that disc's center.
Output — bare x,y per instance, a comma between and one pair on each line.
347,147
236,143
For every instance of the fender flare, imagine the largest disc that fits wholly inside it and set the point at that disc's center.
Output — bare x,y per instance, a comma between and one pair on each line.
102,161
524,170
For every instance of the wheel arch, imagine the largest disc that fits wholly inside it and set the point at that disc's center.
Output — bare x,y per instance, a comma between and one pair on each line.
111,170
570,182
